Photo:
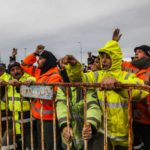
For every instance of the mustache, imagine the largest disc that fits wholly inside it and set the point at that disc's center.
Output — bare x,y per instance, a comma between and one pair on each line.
17,74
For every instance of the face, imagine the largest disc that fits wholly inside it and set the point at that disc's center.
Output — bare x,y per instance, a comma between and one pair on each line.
2,70
139,54
41,62
97,63
16,72
106,61
90,66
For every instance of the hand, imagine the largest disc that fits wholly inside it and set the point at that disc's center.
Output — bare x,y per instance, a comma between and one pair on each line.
108,83
67,134
87,131
60,63
14,52
68,59
2,83
39,48
28,82
116,35
14,82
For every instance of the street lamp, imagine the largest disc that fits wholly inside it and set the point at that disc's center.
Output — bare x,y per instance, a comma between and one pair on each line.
80,44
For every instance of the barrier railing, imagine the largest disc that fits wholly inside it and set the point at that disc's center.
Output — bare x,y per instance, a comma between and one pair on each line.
8,135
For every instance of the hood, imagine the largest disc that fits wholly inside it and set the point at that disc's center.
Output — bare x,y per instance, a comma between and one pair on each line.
113,49
51,61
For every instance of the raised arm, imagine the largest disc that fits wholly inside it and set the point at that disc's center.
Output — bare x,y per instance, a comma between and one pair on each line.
28,62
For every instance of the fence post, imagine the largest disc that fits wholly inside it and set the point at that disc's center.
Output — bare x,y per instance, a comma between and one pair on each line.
130,119
22,128
85,116
68,112
7,122
105,121
13,118
42,125
31,125
54,120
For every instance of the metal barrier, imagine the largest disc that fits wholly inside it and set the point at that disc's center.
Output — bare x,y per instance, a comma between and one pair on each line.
8,138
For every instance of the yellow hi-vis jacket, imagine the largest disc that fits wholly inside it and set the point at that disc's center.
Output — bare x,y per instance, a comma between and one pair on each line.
117,107
17,102
5,77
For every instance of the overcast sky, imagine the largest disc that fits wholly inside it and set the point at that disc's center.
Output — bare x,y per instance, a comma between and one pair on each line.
67,26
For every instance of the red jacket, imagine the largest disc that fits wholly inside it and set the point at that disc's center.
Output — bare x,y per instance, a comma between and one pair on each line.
52,75
142,107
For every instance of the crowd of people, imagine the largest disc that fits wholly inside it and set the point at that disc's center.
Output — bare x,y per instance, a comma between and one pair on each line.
107,68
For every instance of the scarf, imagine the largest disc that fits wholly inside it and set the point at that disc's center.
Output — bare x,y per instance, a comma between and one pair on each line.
142,63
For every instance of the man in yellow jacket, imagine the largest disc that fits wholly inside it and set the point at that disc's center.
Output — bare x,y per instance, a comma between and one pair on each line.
117,100
18,76
3,77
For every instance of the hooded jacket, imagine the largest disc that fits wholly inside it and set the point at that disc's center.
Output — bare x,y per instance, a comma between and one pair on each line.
117,100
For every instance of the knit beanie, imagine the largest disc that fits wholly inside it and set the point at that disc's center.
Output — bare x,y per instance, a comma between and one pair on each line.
13,64
144,48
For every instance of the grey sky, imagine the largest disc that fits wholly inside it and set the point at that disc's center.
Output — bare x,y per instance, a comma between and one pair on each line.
61,24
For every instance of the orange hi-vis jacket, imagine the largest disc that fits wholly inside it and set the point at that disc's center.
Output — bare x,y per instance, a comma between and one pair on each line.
51,76
142,107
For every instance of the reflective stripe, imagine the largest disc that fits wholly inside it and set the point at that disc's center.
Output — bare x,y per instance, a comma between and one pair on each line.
90,103
4,118
95,120
78,141
138,147
15,98
44,112
131,70
114,104
147,74
96,76
24,120
24,64
6,147
61,120
116,138
86,78
61,100
127,76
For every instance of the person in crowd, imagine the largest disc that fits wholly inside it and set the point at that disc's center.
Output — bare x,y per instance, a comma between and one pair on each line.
140,65
109,76
96,64
12,58
4,76
46,72
18,76
93,62
73,133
